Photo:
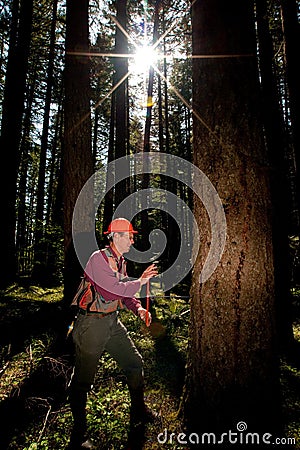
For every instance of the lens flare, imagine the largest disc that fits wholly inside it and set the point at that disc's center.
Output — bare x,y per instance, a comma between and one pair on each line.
144,57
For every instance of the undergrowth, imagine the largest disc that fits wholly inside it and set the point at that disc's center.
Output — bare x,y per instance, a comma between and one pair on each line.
34,376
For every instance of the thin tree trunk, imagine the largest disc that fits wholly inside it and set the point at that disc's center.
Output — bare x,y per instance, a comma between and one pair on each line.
109,198
54,164
290,26
39,257
121,67
146,145
22,226
281,194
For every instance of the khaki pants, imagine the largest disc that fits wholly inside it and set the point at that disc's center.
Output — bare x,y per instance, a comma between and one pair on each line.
92,335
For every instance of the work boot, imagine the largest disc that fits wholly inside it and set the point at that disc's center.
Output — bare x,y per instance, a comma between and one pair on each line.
142,415
79,441
139,411
79,437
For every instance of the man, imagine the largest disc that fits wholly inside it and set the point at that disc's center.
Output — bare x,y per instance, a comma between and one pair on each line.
98,327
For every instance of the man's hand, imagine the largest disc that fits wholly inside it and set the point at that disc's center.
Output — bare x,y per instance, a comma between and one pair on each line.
142,312
150,272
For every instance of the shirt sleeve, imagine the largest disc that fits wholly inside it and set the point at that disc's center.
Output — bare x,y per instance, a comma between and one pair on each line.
99,272
132,303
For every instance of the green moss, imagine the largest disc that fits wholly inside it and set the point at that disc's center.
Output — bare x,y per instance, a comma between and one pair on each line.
46,421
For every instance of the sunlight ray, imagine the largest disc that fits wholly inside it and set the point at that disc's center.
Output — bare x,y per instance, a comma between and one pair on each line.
161,38
186,103
112,89
105,55
115,20
167,56
101,100
219,56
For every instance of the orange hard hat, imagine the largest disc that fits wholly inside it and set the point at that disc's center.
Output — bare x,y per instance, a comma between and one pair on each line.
120,225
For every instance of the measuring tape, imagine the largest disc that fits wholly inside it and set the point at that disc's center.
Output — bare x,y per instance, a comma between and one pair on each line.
147,303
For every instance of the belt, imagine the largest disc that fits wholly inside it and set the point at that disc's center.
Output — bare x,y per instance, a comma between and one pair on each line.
84,312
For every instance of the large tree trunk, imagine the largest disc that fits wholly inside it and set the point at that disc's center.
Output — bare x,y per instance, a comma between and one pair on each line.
232,370
77,156
11,126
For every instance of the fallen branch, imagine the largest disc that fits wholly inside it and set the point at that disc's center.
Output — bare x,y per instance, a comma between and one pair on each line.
4,368
44,424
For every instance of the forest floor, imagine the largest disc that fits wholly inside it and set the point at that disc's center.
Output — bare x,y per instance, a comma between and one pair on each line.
34,375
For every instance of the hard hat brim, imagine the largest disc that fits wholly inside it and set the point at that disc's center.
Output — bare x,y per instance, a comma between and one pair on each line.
120,231
120,225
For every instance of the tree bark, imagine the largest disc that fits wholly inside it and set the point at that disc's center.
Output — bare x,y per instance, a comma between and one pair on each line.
39,246
77,155
232,364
